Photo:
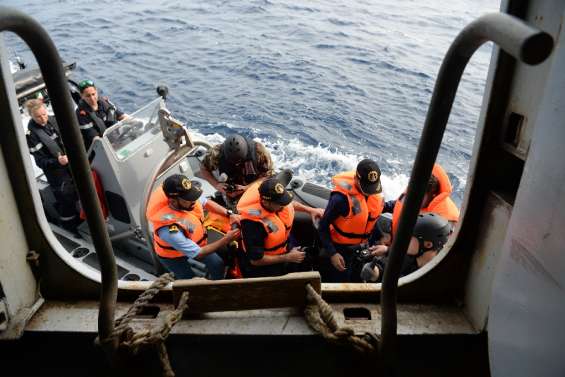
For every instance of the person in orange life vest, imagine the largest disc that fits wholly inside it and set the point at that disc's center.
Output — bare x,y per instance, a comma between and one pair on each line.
176,212
437,199
428,237
267,212
353,208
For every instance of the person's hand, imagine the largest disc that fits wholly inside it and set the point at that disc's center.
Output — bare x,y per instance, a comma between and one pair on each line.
338,262
316,214
233,194
63,160
240,187
295,255
232,235
238,190
378,250
221,187
234,219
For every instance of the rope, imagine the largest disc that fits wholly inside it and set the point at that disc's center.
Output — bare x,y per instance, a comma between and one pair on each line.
133,341
320,318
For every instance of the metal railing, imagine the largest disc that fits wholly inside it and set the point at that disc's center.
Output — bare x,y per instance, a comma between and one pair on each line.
521,41
51,66
512,35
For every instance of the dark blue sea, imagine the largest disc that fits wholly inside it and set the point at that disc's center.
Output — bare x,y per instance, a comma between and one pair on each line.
322,83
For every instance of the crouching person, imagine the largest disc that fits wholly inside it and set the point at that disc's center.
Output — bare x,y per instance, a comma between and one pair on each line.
354,206
176,213
267,212
428,238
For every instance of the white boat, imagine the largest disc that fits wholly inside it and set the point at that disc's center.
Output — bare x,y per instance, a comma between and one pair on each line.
127,163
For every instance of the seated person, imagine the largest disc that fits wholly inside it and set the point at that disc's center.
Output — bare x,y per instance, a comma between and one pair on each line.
176,214
95,114
46,147
350,216
428,238
232,166
382,232
437,199
267,213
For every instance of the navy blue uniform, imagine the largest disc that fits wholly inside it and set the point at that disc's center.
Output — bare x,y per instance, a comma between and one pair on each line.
337,206
94,123
45,145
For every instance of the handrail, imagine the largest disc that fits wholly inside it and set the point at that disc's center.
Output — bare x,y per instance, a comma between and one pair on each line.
521,41
53,73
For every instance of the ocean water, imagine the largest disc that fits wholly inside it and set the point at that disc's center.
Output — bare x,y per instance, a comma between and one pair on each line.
323,84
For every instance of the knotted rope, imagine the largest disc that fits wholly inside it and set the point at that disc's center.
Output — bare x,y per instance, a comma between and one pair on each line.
133,341
320,317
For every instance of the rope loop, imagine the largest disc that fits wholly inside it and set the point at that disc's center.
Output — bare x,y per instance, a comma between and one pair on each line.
133,341
320,317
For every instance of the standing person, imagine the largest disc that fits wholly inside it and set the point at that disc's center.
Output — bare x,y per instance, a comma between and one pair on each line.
232,166
354,206
267,212
46,147
95,114
176,214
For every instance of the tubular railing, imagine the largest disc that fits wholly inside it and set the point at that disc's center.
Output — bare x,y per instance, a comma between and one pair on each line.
521,41
53,73
515,37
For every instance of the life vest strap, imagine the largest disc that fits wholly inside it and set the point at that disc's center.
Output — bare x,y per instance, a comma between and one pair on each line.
204,237
165,247
351,235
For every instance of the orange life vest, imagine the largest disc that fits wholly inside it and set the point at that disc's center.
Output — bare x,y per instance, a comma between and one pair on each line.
356,227
160,214
440,204
276,224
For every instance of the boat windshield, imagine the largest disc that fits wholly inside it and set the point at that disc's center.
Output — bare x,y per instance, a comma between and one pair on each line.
137,130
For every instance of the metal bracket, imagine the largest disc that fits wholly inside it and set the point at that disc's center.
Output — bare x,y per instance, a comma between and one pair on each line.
174,132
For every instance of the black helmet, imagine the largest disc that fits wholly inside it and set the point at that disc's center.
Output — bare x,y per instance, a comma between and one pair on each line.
432,227
235,148
384,223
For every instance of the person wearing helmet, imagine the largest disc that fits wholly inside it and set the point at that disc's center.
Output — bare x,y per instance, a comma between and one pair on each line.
232,166
429,236
94,113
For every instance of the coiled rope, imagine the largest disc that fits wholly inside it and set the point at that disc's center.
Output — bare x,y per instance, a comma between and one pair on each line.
133,341
320,318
